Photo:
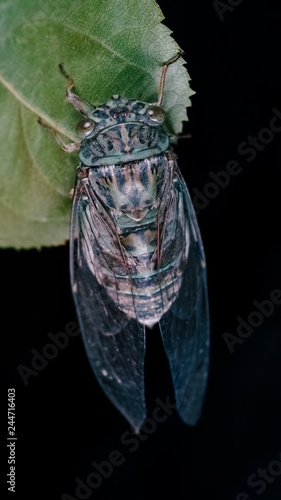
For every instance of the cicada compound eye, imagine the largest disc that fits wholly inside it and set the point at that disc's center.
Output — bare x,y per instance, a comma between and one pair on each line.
156,113
85,127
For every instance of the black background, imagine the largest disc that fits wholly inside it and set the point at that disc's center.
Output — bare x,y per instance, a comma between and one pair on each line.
63,420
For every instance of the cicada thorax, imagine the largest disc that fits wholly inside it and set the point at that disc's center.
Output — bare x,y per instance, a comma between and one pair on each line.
124,142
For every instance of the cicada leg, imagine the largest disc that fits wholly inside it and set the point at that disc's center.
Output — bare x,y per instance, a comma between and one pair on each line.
163,76
176,137
84,107
68,148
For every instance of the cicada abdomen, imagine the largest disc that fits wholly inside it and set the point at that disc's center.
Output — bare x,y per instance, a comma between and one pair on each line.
136,255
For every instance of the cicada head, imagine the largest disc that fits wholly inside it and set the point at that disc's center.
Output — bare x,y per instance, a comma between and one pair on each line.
120,131
118,110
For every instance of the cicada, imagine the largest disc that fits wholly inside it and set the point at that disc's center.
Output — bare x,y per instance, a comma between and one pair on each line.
136,254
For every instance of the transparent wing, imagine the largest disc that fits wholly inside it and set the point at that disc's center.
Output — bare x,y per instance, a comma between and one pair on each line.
185,327
114,344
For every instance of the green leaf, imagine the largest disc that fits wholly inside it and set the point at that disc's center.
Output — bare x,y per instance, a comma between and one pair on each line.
108,47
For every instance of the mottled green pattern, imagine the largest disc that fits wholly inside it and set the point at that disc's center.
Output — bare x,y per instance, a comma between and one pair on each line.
123,132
